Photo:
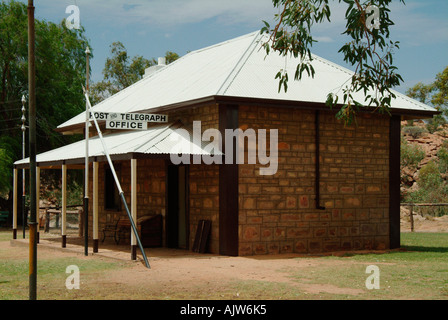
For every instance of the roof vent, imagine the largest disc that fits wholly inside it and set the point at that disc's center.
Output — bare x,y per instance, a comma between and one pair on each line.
160,65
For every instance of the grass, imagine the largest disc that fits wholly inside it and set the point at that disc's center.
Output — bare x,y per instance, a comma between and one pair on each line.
51,272
14,279
418,271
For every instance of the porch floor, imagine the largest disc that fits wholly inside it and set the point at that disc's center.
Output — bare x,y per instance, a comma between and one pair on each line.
108,249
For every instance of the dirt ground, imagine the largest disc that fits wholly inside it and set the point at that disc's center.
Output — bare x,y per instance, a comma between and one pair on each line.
200,275
198,272
218,271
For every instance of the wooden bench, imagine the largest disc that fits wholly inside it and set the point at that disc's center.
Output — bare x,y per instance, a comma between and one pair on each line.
120,230
4,216
149,229
123,229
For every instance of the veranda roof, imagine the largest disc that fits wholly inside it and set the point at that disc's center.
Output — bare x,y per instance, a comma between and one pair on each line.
160,140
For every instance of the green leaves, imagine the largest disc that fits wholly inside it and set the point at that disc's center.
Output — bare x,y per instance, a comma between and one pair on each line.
436,94
292,34
5,171
60,73
283,80
369,51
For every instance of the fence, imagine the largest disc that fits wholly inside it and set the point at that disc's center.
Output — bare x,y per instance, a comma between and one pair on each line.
412,205
57,212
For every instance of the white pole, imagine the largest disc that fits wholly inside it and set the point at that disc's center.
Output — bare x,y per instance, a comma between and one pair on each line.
105,149
64,205
117,182
95,205
86,171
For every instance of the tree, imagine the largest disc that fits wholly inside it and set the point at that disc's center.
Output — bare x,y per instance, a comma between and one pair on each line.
367,26
120,71
435,94
171,57
60,74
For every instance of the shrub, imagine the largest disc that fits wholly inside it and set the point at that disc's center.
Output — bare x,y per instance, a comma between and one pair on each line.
443,159
411,154
434,123
429,176
414,131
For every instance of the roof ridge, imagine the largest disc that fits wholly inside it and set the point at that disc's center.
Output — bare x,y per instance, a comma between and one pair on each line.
222,43
239,65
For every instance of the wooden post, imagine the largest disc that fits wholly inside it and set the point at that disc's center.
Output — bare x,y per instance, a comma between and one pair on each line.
228,187
14,208
47,221
32,149
64,206
394,181
95,206
411,216
81,224
134,206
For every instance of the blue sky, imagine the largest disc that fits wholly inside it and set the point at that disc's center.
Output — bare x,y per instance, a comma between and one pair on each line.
152,27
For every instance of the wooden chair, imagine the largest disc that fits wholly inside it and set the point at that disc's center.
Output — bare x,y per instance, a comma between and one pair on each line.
111,230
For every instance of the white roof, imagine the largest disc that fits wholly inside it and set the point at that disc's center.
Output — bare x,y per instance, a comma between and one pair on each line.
234,68
160,139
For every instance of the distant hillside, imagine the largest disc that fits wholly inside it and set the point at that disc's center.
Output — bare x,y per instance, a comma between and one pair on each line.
422,150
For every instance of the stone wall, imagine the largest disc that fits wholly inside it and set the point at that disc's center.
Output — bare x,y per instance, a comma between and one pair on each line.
204,201
278,213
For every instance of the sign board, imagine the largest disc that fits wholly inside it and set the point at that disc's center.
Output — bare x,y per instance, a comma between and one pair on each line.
126,125
132,117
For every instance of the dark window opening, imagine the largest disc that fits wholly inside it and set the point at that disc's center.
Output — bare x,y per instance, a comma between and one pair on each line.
112,197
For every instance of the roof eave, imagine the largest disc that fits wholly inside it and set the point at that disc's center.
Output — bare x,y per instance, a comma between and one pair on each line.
79,127
407,114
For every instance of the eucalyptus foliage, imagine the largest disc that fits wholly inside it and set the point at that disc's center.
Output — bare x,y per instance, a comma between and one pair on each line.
368,50
60,74
435,94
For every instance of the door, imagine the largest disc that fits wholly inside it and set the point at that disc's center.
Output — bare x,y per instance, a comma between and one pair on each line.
177,222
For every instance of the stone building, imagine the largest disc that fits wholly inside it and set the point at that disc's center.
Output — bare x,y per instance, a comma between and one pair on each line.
334,187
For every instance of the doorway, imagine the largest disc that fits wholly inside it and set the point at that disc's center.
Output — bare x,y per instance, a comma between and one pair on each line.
177,219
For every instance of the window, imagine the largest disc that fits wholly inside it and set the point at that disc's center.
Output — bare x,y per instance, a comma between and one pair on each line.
111,197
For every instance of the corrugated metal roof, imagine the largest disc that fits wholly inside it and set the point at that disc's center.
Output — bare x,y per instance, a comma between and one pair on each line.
160,139
237,67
